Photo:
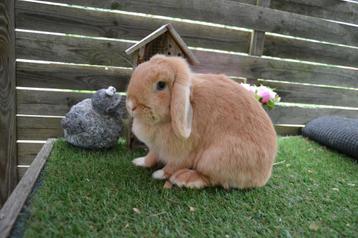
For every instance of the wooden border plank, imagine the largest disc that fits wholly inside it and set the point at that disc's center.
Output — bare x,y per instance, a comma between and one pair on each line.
234,13
89,22
13,205
8,178
67,76
79,50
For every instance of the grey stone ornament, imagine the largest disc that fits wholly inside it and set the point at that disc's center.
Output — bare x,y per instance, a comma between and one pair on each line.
96,122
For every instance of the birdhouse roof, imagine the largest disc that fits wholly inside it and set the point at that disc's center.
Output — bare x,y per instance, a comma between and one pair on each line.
160,31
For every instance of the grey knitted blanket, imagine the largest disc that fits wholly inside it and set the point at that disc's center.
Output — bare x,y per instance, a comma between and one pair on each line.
338,133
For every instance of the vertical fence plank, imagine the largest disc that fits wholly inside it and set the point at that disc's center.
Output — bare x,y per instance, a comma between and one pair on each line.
257,39
8,176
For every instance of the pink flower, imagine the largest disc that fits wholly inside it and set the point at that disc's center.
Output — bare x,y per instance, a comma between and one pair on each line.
248,87
266,94
263,94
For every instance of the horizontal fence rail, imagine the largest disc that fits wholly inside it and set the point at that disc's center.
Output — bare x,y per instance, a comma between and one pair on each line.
82,21
96,23
329,9
110,52
38,128
52,103
70,76
338,10
234,13
40,103
301,115
315,94
41,127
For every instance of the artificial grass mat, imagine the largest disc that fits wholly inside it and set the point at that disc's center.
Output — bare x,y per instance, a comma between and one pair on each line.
312,192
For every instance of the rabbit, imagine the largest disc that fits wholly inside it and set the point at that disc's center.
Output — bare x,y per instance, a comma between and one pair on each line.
205,128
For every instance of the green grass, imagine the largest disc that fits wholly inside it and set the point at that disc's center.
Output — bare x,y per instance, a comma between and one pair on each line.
312,193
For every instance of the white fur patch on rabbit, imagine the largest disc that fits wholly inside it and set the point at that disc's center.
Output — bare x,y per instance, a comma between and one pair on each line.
140,162
159,174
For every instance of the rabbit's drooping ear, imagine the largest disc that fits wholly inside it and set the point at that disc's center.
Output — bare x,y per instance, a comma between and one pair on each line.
180,106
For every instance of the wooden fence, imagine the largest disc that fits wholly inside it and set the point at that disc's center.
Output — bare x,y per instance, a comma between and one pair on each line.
299,47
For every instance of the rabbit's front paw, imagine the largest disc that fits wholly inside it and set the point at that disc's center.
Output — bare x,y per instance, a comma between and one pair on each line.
159,174
140,162
148,161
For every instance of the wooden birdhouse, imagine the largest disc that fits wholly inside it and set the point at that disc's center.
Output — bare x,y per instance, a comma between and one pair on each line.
165,40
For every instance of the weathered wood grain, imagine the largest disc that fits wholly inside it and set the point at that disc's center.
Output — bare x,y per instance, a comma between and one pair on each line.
33,130
33,102
257,43
44,17
255,67
328,9
58,103
282,47
286,115
80,50
39,103
71,49
26,152
38,128
257,40
116,4
315,95
62,19
301,115
13,205
8,178
258,37
67,76
21,172
243,15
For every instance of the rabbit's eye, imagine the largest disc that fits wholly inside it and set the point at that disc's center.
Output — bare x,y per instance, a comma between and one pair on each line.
161,85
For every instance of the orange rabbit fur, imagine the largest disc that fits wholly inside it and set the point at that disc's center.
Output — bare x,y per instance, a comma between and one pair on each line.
205,128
